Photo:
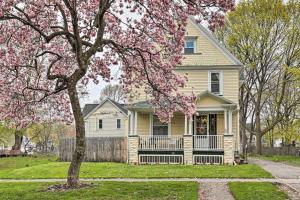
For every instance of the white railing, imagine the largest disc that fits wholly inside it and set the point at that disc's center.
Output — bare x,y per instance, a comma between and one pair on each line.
208,142
160,159
153,143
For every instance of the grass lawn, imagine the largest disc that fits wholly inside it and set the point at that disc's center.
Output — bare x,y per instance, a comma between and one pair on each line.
256,191
292,160
103,190
52,169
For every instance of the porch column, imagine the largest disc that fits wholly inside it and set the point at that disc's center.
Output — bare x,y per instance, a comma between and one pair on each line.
188,145
131,123
225,122
228,149
230,122
185,125
133,140
135,122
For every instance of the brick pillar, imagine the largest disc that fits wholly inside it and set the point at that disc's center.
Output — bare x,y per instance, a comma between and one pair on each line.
188,149
228,149
133,143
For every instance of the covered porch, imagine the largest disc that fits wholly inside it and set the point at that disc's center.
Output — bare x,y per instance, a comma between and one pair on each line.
200,137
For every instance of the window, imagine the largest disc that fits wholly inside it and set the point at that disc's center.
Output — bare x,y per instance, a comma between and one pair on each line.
100,124
215,79
190,46
159,128
118,123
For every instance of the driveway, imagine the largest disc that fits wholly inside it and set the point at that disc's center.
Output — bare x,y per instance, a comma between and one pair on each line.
277,169
281,171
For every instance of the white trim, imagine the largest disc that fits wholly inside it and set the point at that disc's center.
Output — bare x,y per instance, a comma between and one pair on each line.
194,40
117,123
216,43
99,123
185,125
135,123
211,109
102,103
190,126
151,124
230,122
169,129
225,122
220,81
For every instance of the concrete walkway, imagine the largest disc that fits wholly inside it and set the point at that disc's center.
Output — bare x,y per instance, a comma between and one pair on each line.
214,191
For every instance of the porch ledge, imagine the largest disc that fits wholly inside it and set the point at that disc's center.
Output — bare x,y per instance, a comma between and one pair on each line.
133,136
231,135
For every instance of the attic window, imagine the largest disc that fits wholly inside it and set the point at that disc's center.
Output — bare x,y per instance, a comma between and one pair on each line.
100,124
190,46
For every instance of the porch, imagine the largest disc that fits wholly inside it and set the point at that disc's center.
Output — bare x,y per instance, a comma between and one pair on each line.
209,136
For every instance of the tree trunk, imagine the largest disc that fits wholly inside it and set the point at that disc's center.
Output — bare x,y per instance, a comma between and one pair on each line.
258,143
78,155
18,140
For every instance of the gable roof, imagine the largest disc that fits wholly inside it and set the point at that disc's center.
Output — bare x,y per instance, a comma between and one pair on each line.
215,42
90,108
217,97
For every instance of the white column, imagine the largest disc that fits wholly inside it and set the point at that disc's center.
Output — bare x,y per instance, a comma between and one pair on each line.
150,124
135,122
225,123
131,123
230,122
185,125
190,126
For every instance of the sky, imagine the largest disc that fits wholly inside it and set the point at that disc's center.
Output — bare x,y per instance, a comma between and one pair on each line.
94,90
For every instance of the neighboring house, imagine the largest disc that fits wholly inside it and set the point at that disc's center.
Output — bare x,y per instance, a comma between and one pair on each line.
211,136
107,119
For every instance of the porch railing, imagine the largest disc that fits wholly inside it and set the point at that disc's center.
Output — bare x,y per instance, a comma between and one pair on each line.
208,142
153,143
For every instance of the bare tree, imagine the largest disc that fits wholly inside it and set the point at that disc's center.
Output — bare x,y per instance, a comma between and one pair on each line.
114,92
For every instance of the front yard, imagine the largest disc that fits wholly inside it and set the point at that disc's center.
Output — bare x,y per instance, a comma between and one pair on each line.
103,191
43,167
256,191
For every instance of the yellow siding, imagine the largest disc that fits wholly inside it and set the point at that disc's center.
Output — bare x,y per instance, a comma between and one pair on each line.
177,125
206,52
208,101
143,122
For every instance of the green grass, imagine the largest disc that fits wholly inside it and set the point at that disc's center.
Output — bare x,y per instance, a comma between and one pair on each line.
103,191
22,162
256,191
292,160
52,169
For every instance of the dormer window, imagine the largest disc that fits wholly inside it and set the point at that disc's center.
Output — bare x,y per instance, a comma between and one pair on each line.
215,82
190,46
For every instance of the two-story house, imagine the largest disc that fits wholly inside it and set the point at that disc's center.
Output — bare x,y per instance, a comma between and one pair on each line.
212,135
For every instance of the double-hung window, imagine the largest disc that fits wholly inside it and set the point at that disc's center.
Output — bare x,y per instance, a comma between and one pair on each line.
100,124
190,46
215,82
118,123
159,128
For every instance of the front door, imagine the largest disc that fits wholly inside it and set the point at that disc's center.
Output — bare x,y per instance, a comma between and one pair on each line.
206,128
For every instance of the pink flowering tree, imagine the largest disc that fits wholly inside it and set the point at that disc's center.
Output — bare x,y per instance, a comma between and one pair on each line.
48,48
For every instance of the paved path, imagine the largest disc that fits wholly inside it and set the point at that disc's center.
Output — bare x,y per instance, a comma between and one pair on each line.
214,191
278,170
284,172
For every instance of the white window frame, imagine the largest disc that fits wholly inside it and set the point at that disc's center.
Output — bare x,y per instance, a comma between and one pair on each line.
221,81
151,126
98,128
117,123
194,40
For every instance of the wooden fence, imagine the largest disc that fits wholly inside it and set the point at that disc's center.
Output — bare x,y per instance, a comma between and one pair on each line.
288,150
98,149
